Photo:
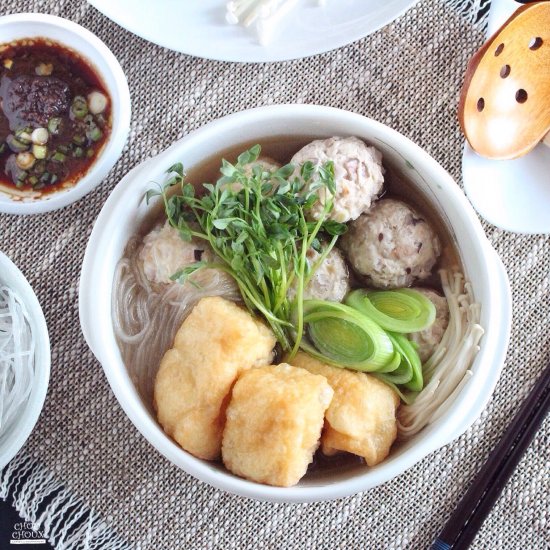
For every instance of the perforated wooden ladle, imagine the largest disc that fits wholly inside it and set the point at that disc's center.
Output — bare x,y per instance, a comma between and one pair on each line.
504,106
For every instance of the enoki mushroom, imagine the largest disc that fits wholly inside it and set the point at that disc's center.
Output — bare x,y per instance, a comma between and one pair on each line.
447,370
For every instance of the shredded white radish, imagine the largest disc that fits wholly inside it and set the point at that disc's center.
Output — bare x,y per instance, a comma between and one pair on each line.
17,352
266,15
447,370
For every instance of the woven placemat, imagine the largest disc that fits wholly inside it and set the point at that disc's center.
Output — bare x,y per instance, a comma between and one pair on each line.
408,76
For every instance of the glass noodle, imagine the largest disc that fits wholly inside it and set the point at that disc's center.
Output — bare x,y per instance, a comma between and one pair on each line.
146,316
17,356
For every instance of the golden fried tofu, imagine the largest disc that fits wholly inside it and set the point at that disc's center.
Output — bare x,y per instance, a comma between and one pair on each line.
216,342
274,422
361,418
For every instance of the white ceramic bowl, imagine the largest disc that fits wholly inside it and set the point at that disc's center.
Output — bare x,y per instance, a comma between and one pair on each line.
92,49
125,209
18,432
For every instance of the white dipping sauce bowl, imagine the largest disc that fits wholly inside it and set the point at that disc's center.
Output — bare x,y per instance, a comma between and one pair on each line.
105,64
125,209
21,428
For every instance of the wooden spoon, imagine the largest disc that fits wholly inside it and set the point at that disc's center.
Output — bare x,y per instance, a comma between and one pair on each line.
504,108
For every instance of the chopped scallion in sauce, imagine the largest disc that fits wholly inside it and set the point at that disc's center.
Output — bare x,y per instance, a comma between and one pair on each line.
55,115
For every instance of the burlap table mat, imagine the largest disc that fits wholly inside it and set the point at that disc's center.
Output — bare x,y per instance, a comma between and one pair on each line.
407,75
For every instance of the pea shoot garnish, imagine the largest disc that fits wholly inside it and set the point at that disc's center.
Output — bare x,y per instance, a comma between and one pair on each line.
257,223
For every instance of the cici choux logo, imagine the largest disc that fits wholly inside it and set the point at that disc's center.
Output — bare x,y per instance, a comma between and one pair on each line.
26,532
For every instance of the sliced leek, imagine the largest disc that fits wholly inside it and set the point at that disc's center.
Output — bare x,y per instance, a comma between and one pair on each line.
404,310
408,374
409,371
393,364
345,337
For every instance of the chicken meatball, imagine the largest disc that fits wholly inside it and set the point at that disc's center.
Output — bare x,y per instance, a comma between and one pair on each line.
428,339
358,175
330,280
392,245
266,163
164,252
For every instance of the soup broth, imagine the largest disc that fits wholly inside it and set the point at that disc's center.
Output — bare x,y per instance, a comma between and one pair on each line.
281,149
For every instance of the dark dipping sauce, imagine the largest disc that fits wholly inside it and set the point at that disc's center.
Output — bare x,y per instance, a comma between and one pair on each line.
55,116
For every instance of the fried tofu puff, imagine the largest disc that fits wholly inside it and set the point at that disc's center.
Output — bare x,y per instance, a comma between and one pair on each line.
215,343
274,423
361,418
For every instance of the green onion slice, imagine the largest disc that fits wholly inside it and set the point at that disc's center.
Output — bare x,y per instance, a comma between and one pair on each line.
79,108
404,310
344,337
54,125
94,133
59,157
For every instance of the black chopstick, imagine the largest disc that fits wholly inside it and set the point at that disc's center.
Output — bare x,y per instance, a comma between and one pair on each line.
465,521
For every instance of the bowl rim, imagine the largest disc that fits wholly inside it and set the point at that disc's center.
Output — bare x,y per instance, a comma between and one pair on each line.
13,277
120,96
493,348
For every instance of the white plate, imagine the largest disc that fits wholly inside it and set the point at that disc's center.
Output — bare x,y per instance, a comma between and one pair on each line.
511,194
199,28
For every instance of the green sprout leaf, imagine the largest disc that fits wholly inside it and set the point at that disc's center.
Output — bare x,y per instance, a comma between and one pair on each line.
177,168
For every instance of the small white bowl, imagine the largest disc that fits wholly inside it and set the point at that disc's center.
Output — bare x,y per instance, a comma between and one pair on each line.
93,50
19,432
125,210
